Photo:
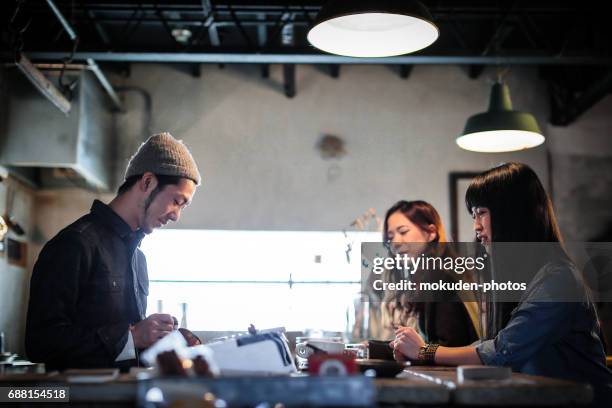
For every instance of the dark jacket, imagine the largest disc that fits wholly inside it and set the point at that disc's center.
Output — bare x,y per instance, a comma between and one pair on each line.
89,284
442,316
553,332
447,323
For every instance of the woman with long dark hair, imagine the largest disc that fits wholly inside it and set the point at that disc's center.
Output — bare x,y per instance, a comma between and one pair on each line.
415,228
546,334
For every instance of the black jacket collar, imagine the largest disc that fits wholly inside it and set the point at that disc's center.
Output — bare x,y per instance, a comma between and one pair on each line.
109,217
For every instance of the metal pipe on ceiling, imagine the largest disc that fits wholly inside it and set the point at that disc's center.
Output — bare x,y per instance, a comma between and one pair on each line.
90,61
240,58
62,20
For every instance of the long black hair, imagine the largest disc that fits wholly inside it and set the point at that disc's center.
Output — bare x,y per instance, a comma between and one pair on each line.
521,212
520,208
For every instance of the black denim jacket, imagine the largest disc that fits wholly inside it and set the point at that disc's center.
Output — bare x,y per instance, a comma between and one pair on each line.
89,284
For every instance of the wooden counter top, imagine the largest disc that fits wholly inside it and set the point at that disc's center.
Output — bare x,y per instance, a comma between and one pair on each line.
519,390
415,386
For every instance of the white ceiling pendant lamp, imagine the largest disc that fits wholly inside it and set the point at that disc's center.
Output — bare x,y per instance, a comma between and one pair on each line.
380,28
500,129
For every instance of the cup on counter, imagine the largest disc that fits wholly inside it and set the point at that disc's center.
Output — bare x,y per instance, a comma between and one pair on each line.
306,346
380,350
357,350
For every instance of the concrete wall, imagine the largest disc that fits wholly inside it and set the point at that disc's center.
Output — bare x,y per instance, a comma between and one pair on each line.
257,149
582,174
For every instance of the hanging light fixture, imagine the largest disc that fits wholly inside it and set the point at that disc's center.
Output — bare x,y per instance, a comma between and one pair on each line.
500,129
381,28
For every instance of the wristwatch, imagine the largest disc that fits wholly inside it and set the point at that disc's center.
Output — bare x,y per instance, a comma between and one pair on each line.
427,354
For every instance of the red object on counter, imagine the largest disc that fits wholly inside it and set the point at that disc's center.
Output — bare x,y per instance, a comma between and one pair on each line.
332,364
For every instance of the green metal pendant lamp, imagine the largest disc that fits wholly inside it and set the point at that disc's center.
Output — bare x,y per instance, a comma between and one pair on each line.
381,28
500,129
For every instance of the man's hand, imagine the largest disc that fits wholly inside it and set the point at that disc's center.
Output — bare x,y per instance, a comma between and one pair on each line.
407,344
148,331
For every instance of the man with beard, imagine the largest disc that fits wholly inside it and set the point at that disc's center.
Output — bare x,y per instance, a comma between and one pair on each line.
88,292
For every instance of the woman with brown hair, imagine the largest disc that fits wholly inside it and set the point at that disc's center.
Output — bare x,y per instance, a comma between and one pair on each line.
414,228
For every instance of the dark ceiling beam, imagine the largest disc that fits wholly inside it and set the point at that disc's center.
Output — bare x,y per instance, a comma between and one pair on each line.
437,10
262,31
247,58
289,80
474,71
538,34
174,7
205,23
309,19
494,45
241,29
334,71
571,32
219,19
99,29
522,24
461,22
167,28
251,19
124,69
505,27
565,109
496,42
129,29
455,30
224,18
507,9
196,70
405,71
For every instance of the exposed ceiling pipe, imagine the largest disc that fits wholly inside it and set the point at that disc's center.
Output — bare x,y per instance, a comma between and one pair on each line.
71,33
90,61
240,58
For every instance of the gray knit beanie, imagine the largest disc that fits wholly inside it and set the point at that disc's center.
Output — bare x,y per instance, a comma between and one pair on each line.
164,155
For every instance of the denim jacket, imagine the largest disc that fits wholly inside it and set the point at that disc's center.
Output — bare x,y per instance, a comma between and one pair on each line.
551,337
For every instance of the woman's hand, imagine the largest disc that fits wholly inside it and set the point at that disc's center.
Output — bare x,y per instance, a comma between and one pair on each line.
407,343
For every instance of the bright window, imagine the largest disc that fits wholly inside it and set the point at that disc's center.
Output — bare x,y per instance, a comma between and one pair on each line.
230,279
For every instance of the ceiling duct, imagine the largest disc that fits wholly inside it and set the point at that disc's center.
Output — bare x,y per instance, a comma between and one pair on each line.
57,149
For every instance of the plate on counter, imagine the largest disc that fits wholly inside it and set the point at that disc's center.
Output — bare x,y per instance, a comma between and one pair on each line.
382,368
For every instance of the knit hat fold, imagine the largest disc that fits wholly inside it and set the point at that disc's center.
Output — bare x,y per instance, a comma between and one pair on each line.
162,154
